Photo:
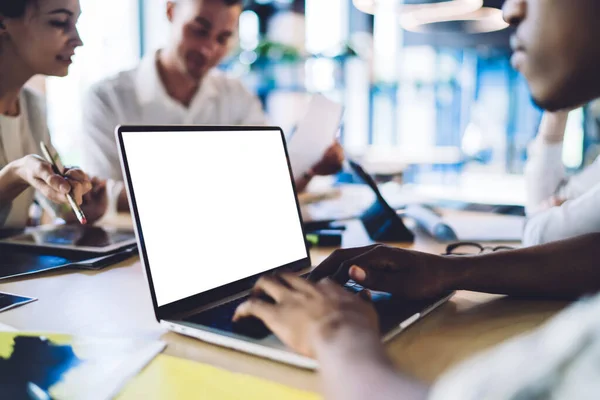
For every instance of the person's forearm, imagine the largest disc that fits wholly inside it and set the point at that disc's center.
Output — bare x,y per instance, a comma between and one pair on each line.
11,185
544,170
565,269
553,126
355,367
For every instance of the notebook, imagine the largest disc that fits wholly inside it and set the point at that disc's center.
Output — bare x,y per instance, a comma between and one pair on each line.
173,378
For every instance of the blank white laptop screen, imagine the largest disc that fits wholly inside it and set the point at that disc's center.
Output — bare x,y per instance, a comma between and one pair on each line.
210,204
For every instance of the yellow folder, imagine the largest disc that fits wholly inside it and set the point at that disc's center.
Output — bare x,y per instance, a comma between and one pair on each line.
173,378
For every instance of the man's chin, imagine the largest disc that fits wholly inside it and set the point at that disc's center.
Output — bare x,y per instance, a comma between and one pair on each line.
548,105
551,100
60,72
559,103
559,93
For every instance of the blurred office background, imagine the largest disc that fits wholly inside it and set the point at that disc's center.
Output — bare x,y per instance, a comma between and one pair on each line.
427,86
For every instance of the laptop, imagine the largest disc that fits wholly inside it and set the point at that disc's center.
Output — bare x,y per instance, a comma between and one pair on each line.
215,208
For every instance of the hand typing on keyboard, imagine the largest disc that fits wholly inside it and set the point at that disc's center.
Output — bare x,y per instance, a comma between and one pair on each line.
305,314
404,273
255,328
252,326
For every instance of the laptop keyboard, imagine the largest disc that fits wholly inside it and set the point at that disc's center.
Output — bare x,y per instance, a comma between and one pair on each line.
220,317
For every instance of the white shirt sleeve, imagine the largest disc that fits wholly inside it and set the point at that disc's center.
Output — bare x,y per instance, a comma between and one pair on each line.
558,361
574,218
251,111
545,176
544,173
579,184
99,148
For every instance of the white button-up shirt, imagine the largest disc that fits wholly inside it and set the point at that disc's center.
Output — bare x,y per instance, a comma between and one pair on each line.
558,361
546,177
138,97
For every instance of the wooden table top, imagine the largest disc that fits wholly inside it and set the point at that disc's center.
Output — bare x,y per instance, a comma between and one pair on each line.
116,302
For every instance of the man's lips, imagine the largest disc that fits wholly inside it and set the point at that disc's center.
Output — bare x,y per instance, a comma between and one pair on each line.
68,58
519,52
517,59
516,44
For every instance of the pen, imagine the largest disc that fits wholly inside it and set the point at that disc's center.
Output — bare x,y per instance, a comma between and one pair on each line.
76,209
37,393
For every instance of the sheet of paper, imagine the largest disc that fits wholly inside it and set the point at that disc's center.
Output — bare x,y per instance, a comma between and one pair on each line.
487,228
315,133
6,328
173,378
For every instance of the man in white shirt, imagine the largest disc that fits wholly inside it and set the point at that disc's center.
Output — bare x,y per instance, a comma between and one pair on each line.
559,207
177,85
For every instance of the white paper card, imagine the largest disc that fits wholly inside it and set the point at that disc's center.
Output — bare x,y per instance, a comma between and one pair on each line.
487,228
315,133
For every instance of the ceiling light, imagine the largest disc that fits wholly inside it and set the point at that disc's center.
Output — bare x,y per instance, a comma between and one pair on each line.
422,8
483,20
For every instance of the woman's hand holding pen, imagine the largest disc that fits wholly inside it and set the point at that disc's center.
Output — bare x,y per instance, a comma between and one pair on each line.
34,171
95,203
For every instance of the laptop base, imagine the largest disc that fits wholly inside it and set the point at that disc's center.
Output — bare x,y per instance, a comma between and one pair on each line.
395,317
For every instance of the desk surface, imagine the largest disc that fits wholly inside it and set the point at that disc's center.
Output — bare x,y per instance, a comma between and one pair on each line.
116,302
